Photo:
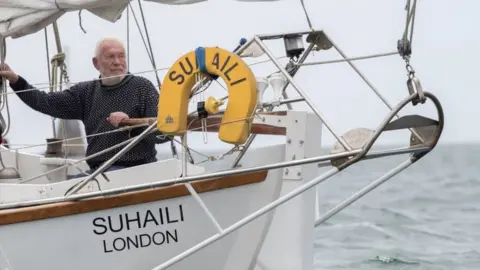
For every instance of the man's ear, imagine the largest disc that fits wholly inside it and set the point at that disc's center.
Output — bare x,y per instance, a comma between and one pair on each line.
95,63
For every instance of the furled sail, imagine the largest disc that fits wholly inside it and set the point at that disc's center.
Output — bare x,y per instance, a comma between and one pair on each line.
23,17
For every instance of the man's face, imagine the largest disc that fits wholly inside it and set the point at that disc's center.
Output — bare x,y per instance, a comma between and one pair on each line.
111,61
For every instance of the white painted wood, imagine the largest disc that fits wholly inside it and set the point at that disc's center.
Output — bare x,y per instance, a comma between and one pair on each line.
290,240
281,239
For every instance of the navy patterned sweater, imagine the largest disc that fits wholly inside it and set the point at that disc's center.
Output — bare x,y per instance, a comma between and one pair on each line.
91,102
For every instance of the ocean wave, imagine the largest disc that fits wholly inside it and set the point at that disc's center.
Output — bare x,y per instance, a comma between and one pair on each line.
391,260
360,227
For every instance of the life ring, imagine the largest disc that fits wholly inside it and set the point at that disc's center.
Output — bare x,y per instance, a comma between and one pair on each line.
180,79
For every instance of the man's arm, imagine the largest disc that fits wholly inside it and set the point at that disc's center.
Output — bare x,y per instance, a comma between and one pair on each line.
150,100
63,104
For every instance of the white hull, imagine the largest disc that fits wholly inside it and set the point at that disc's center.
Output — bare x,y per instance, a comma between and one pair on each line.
83,242
80,241
73,241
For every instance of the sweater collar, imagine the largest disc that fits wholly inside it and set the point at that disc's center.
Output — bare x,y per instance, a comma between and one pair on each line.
126,79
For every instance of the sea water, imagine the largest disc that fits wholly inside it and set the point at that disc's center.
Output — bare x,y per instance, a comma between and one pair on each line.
427,217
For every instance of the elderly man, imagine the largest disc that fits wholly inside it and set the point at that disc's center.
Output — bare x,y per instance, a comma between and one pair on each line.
101,105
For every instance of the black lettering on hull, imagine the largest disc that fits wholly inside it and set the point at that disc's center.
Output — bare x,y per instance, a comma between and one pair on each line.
158,238
97,223
149,217
125,222
119,226
137,220
105,250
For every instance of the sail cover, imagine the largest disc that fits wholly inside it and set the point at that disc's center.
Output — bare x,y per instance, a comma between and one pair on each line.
23,17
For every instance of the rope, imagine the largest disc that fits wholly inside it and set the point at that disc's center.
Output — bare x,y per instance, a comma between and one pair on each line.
25,146
78,161
76,138
80,21
133,73
206,128
221,156
107,150
97,79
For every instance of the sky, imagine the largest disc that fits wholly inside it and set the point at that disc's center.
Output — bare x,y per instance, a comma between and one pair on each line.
445,55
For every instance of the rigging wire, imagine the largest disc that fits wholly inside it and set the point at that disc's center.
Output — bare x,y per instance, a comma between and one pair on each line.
96,79
411,12
147,44
148,40
76,138
152,60
150,56
69,163
153,70
128,37
404,45
47,50
410,18
306,15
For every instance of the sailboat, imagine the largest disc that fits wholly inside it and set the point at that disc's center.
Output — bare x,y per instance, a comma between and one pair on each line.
178,213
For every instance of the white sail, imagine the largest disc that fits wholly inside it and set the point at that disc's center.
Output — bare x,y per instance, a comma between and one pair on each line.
23,17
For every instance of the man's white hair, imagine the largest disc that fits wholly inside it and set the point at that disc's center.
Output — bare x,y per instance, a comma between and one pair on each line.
98,47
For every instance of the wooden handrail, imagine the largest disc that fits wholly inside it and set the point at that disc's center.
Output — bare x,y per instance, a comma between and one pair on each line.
137,121
61,209
212,124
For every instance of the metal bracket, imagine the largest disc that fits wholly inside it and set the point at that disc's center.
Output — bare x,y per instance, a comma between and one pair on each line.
295,124
295,145
320,40
272,120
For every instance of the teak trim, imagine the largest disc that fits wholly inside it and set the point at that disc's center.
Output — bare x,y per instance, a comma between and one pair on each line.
32,213
213,124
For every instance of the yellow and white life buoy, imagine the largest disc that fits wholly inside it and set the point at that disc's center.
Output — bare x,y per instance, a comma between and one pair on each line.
180,79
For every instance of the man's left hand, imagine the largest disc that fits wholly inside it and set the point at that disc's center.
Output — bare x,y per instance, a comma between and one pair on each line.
116,117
